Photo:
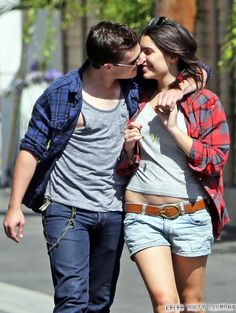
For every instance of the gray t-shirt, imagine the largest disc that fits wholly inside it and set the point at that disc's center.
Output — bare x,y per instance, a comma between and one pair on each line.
84,176
164,166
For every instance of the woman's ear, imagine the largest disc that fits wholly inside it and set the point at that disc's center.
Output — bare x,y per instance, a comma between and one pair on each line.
174,59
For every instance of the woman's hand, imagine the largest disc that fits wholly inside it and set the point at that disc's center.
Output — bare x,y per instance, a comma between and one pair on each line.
132,134
169,118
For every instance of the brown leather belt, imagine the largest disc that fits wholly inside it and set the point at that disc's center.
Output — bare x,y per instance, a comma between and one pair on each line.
170,210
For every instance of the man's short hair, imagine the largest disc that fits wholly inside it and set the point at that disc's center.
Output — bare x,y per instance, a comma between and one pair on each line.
107,42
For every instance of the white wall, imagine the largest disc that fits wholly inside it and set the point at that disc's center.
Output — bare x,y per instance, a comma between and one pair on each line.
10,59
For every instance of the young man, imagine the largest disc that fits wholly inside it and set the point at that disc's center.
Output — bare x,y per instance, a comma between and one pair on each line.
66,169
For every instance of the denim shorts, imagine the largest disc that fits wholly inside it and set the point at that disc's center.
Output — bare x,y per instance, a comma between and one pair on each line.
189,235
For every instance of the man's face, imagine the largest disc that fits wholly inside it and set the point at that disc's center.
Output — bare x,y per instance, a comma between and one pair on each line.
127,67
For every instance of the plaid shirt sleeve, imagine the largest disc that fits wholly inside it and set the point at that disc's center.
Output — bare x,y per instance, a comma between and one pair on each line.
51,113
126,167
206,123
38,134
210,133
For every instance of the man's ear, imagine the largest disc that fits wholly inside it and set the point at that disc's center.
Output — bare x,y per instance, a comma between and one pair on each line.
107,66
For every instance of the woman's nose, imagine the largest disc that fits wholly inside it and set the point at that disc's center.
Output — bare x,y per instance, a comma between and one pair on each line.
141,58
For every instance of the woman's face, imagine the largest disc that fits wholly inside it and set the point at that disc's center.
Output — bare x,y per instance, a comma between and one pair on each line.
156,64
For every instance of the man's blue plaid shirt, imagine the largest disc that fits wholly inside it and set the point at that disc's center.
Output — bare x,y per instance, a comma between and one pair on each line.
53,121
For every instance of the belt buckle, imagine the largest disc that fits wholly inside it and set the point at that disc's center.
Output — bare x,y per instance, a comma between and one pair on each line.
162,212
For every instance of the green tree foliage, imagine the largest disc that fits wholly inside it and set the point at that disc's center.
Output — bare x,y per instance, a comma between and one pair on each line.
31,8
134,13
228,56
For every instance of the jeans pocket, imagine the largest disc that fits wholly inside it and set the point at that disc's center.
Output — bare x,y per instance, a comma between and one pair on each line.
130,218
201,217
55,226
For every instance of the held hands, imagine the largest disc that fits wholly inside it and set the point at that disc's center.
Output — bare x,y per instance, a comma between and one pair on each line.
166,100
168,117
166,109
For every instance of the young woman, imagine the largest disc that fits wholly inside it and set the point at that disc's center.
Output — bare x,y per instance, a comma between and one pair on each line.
174,203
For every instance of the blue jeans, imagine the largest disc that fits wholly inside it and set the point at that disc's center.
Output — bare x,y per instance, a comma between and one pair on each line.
84,249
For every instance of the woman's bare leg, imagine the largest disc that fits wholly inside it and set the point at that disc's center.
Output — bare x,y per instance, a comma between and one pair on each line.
155,266
190,281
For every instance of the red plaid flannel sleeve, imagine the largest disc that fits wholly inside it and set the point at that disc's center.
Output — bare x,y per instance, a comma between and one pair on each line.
210,133
125,166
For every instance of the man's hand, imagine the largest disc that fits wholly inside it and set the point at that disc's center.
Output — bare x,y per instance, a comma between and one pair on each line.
14,220
166,100
14,223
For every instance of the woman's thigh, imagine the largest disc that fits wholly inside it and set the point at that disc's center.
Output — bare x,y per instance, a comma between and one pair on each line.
156,268
190,279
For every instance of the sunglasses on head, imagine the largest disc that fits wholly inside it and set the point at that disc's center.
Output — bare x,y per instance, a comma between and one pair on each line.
159,21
